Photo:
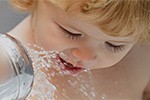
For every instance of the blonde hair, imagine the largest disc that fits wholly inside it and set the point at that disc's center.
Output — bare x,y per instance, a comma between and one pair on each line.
115,17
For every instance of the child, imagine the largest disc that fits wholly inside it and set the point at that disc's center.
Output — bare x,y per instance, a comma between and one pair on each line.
94,34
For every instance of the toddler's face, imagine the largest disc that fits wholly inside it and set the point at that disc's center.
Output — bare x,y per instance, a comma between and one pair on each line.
83,43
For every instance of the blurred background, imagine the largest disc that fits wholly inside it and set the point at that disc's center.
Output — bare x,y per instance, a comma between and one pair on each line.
9,17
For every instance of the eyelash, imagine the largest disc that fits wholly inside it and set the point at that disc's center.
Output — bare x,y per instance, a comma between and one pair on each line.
109,46
114,48
73,36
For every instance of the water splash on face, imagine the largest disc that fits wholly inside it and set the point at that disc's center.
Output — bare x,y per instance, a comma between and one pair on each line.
46,67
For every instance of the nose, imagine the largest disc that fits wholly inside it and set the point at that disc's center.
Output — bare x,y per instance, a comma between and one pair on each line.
83,53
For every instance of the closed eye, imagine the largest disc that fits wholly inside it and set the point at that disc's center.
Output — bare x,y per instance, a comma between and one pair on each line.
114,48
69,34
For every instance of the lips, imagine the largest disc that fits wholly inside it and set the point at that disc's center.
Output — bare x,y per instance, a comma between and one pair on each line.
69,67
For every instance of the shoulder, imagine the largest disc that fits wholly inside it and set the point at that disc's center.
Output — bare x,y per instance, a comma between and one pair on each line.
140,51
139,58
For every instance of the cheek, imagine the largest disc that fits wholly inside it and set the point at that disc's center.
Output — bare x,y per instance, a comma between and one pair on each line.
50,37
112,58
108,60
46,34
49,41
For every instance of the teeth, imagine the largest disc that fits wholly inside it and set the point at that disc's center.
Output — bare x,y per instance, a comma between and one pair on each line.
63,55
67,65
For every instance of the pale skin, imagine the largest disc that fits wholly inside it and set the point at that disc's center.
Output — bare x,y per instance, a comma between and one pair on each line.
114,77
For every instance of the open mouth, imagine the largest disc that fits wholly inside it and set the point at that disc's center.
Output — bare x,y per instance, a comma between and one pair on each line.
69,67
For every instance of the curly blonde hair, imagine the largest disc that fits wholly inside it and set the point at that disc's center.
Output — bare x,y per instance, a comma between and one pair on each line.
115,17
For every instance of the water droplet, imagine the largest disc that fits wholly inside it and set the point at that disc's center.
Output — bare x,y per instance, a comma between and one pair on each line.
42,87
104,96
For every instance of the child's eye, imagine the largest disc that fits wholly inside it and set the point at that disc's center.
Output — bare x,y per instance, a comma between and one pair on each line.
114,48
73,36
